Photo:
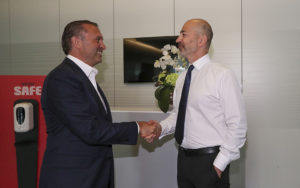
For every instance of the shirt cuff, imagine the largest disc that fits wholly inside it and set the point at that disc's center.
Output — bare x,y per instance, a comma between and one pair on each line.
138,127
221,161
162,134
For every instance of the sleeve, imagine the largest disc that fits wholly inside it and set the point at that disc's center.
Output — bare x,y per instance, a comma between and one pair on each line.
168,125
235,120
70,104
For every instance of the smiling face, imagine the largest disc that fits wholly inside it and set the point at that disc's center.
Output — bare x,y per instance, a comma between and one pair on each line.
90,45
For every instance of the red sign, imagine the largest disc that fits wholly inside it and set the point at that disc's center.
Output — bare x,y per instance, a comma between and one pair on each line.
12,89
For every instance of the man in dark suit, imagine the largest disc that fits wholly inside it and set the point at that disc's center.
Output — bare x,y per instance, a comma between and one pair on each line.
78,117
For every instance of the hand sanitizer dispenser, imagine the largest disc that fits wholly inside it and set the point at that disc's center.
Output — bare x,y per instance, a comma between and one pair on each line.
26,141
23,117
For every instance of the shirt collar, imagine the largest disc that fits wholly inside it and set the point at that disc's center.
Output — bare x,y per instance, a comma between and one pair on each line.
201,61
87,69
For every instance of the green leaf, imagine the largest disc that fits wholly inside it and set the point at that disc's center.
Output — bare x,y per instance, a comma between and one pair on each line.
157,92
164,99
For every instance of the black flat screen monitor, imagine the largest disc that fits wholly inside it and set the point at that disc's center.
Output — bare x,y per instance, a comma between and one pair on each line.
140,55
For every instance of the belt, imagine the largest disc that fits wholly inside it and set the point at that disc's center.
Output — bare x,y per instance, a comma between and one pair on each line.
200,151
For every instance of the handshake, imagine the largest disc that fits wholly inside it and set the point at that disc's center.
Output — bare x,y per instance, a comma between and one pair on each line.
150,130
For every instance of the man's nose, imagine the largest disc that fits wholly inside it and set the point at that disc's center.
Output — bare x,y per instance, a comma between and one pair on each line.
102,45
178,39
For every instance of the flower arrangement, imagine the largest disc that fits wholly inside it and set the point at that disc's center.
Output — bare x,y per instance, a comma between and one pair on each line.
169,66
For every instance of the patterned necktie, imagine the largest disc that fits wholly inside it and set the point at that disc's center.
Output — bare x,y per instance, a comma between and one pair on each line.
182,106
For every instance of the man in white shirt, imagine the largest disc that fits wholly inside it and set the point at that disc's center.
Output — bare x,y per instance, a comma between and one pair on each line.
213,116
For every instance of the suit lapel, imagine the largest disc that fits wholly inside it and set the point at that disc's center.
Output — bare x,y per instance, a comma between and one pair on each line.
90,87
105,101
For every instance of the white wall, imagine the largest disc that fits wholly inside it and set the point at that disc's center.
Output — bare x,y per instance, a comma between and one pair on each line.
259,40
271,38
33,35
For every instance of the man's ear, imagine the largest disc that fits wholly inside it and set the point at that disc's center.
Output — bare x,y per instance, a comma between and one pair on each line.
76,42
202,40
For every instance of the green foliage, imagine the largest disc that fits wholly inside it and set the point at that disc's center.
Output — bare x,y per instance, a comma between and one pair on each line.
162,94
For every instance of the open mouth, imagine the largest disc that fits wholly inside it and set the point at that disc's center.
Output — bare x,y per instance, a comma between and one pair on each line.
99,52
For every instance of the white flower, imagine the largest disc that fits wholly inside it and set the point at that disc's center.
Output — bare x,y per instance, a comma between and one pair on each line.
167,57
163,66
161,60
156,64
174,49
171,62
167,47
165,52
171,57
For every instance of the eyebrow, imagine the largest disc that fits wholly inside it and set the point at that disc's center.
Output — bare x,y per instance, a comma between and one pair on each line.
99,38
183,31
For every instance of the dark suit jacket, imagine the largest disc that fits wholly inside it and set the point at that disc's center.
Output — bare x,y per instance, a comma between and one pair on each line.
80,132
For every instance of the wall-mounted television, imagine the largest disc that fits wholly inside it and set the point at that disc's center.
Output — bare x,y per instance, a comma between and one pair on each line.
140,55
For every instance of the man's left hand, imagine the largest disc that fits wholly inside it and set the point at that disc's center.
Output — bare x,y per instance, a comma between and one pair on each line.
219,172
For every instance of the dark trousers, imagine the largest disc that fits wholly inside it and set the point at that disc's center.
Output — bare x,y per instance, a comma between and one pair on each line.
196,170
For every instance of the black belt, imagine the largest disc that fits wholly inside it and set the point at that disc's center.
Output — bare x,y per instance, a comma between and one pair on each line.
200,151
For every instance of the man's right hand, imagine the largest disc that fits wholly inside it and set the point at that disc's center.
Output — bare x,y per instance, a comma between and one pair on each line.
149,130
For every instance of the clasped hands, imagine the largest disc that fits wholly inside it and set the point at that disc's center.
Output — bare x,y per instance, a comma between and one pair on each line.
150,130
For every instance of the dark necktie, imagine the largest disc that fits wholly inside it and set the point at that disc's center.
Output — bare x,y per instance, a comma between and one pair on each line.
182,106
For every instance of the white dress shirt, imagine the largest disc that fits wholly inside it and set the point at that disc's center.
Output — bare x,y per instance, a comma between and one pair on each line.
215,113
90,72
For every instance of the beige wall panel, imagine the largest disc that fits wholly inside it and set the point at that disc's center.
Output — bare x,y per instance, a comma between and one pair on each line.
138,18
5,65
34,36
101,12
143,18
271,85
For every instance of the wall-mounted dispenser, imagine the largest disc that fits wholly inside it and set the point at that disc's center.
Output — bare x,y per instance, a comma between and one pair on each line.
23,117
26,141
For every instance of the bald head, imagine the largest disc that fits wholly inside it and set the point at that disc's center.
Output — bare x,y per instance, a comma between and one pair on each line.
202,27
194,39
